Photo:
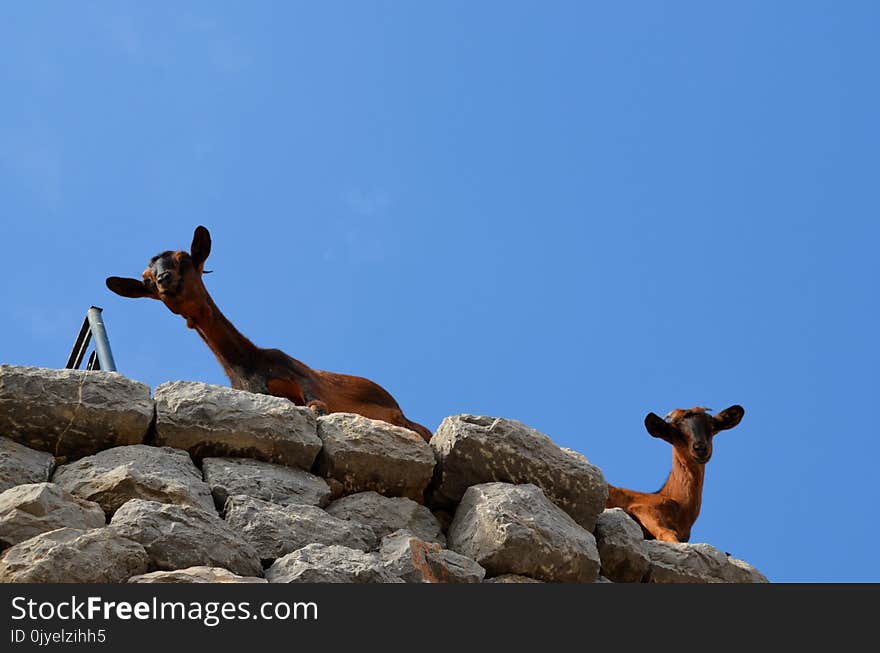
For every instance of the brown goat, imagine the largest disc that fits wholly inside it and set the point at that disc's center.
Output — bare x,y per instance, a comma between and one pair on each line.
669,513
175,278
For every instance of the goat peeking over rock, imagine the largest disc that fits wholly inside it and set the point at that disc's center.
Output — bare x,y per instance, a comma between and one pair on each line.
175,278
669,513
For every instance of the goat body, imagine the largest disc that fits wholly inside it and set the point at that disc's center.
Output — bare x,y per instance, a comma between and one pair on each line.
175,278
669,513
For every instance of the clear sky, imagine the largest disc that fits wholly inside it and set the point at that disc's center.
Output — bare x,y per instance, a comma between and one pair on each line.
569,214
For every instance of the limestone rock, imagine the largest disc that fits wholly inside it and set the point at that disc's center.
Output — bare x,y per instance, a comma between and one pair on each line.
28,510
473,449
276,483
276,530
621,545
367,454
320,563
417,561
200,574
515,529
214,421
388,514
177,537
116,475
513,578
73,555
79,412
20,465
673,562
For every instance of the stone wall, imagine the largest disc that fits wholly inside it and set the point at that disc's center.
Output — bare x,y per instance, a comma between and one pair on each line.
100,481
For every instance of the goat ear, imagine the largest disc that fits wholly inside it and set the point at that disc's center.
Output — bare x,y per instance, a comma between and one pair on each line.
133,288
660,428
201,246
729,417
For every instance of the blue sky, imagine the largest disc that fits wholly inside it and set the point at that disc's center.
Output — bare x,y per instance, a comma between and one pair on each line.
569,214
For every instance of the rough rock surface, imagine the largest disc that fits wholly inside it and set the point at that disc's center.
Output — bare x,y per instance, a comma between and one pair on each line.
200,574
696,563
177,537
512,578
276,530
388,514
255,453
28,510
417,561
621,545
473,449
116,475
319,563
81,412
73,555
367,454
267,481
20,465
213,421
515,529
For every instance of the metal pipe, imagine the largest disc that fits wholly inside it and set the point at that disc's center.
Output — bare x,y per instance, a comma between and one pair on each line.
102,344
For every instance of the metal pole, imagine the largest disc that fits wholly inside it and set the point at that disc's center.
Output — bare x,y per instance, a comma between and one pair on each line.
102,344
80,346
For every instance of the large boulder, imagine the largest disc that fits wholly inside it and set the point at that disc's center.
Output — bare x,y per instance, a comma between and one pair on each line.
116,475
20,465
320,563
276,530
473,449
416,561
621,545
74,555
28,510
388,514
177,537
276,483
199,574
678,562
214,421
72,413
515,529
368,454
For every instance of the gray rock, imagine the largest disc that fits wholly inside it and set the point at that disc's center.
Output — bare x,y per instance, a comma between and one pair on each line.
417,561
72,413
513,578
177,537
515,529
473,450
621,545
388,514
199,574
319,563
20,465
116,475
276,530
367,454
673,562
73,555
275,483
213,421
28,510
